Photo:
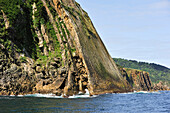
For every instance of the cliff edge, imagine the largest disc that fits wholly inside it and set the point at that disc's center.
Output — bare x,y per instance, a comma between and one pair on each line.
139,80
51,46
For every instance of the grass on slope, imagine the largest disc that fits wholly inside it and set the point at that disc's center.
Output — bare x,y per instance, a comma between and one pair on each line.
157,72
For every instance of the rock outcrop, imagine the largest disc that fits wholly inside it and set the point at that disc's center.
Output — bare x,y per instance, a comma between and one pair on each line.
160,86
51,46
139,80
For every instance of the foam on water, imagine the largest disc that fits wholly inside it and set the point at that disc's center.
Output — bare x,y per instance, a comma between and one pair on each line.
42,95
142,92
149,102
5,97
79,95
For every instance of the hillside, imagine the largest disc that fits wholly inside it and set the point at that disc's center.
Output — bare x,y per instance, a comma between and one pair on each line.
157,72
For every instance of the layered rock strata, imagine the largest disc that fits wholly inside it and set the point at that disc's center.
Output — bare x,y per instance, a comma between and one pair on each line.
139,80
51,46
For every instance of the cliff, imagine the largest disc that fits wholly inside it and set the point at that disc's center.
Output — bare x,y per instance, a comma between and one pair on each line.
161,86
157,72
51,46
139,80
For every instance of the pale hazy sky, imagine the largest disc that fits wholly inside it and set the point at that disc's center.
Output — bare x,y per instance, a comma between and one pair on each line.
133,29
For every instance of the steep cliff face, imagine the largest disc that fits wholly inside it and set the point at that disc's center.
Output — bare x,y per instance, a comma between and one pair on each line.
139,80
51,46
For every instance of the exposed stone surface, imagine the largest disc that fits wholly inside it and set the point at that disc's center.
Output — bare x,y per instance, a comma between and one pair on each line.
5,20
139,80
66,54
160,86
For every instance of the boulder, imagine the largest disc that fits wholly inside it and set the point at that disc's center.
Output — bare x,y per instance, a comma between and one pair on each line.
58,92
39,85
57,83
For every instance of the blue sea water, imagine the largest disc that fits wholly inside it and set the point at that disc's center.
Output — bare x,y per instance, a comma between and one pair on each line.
143,102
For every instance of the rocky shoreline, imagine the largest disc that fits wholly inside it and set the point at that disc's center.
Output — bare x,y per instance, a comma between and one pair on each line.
53,47
140,80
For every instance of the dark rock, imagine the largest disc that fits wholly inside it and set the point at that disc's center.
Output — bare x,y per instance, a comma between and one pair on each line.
57,83
139,80
60,65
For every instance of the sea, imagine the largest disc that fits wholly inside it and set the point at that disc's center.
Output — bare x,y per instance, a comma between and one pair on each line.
136,102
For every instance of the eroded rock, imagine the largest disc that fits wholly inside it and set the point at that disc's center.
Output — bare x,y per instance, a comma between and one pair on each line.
61,59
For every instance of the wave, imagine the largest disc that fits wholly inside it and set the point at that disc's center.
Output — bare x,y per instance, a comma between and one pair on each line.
143,92
79,95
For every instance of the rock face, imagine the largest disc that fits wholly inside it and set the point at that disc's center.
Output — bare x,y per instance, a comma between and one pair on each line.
51,46
139,80
160,86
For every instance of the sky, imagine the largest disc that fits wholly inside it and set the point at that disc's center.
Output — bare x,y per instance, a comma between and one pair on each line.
133,29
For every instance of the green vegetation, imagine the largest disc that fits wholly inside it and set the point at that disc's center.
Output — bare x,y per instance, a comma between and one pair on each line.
3,31
19,32
66,28
157,72
71,10
52,10
11,8
42,19
23,59
21,35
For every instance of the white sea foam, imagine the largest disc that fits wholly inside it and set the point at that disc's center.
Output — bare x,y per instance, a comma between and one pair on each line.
43,95
142,92
79,95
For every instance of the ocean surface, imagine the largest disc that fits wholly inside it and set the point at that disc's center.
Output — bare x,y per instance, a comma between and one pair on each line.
138,102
